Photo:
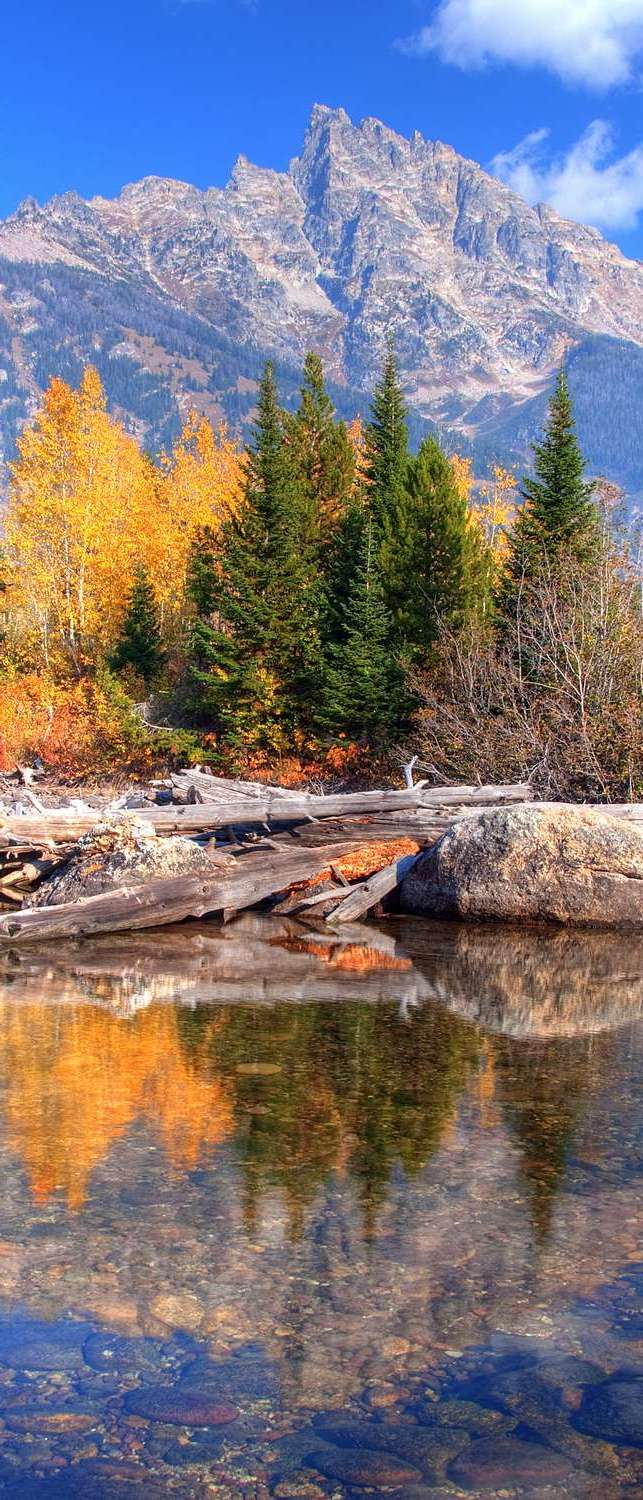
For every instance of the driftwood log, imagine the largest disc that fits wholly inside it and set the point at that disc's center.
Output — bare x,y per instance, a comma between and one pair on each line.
311,834
154,903
270,808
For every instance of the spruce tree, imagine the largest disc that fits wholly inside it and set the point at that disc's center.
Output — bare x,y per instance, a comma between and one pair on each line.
322,455
363,693
558,517
205,642
388,446
341,566
139,645
432,557
260,658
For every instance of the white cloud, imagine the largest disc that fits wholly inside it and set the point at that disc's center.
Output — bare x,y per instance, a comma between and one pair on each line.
585,184
594,42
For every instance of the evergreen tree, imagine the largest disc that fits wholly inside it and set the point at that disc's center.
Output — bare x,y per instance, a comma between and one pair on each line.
205,641
388,446
139,644
259,659
363,689
341,565
558,517
322,455
432,556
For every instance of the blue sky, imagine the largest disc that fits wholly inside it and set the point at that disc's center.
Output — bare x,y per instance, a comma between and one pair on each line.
96,95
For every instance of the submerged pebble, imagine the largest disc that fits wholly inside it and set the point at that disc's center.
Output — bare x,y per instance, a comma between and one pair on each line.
31,1344
369,1470
111,1351
181,1405
493,1463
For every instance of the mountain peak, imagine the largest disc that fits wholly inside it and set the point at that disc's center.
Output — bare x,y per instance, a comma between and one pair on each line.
325,114
366,232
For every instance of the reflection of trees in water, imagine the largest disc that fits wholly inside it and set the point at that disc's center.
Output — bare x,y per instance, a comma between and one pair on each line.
351,1088
306,1091
76,1078
543,1088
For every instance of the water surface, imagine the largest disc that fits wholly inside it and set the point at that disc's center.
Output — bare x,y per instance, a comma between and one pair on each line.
295,1214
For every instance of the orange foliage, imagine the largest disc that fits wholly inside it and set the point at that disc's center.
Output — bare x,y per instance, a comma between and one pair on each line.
463,475
76,1080
356,434
199,485
37,717
75,525
361,863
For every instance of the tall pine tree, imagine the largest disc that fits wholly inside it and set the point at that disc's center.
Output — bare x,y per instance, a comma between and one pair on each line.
558,518
432,555
363,693
260,656
387,446
441,556
139,645
323,456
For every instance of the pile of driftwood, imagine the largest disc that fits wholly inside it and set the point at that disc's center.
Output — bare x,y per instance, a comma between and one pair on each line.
293,848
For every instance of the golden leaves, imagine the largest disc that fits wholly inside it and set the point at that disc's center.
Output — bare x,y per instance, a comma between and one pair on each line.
86,505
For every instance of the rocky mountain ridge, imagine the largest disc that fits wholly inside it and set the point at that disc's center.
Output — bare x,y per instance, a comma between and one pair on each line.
178,294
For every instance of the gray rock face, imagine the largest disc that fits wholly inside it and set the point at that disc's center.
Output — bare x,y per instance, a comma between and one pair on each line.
365,232
536,862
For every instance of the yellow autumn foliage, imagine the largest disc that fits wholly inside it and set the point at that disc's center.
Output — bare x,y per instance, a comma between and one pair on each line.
496,509
86,505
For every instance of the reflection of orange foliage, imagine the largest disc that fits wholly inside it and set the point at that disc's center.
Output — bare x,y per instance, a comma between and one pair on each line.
357,957
77,1079
489,1112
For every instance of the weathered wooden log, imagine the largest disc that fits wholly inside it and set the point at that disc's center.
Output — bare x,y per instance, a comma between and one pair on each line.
272,807
154,903
367,894
221,788
431,810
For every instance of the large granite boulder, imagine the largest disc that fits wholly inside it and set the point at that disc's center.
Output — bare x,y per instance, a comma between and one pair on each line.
539,862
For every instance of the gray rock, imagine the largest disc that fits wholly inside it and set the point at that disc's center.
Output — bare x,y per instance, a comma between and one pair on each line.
30,1344
537,863
497,1463
123,848
613,1411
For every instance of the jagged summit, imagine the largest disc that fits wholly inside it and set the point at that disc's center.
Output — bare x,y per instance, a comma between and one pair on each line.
367,232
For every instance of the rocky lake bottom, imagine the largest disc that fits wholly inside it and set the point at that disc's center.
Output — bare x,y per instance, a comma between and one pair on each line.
297,1214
